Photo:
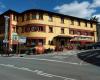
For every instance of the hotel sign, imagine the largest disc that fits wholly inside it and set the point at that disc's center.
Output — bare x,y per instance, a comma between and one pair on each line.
82,38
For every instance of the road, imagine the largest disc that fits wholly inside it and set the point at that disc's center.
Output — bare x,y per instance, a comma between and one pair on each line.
48,67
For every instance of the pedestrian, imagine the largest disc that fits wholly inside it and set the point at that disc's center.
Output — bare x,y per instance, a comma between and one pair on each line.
9,51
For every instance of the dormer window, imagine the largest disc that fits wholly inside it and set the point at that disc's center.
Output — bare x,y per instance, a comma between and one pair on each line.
62,20
50,18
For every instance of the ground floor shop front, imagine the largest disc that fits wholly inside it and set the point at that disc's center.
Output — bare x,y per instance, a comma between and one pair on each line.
59,42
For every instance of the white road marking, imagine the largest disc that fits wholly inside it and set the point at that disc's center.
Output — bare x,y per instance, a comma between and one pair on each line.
49,60
59,57
38,72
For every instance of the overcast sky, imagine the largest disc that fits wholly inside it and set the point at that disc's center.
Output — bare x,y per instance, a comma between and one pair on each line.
78,8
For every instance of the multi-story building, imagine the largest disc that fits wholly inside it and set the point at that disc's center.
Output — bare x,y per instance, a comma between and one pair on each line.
52,29
98,32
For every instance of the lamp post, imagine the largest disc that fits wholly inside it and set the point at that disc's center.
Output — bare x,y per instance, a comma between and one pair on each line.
6,30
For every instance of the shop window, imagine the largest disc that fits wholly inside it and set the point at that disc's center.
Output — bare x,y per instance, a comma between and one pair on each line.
40,16
86,33
62,20
92,33
50,18
78,33
62,30
51,29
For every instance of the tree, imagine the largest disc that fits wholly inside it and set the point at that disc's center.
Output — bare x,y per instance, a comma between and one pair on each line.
94,18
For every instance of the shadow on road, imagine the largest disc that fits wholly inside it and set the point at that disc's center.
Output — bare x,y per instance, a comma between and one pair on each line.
90,56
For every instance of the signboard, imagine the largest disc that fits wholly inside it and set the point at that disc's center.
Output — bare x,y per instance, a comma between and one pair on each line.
82,38
22,39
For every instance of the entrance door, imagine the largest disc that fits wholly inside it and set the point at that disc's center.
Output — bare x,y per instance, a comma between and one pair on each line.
14,47
62,42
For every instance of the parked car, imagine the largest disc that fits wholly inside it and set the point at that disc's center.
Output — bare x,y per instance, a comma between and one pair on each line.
90,46
30,51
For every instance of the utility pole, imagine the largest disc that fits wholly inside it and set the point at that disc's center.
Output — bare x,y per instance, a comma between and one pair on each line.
6,31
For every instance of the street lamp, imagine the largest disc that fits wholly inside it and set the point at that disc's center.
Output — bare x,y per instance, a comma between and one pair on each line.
6,30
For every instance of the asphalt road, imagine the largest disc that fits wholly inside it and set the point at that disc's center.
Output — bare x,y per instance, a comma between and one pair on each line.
48,67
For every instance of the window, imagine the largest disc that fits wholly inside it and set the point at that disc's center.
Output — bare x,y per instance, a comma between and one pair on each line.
14,29
23,29
62,20
50,18
71,31
79,23
72,22
85,24
51,29
91,25
41,16
22,18
15,18
28,17
33,15
62,30
78,33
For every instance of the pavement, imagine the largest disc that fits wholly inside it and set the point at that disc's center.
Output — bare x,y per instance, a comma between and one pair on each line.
65,65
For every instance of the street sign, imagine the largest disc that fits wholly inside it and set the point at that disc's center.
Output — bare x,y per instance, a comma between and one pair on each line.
22,39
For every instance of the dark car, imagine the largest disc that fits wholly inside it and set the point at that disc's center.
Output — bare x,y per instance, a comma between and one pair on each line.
90,46
30,51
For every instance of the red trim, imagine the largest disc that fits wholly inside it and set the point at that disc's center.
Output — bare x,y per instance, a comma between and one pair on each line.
81,41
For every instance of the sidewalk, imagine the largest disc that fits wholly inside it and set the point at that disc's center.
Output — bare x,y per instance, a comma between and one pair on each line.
65,52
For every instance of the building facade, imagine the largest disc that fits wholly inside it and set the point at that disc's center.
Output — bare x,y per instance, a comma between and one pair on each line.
98,32
51,29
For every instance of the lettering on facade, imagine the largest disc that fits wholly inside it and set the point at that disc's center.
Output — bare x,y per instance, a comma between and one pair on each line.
82,38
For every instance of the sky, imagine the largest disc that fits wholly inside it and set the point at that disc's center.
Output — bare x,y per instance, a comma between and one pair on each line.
78,8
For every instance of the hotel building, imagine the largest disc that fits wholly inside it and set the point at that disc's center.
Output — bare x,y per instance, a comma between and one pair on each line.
52,29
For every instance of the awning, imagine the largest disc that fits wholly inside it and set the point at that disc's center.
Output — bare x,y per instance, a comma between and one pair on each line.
63,36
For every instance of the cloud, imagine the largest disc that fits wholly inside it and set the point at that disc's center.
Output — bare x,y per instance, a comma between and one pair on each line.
82,10
2,7
96,3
